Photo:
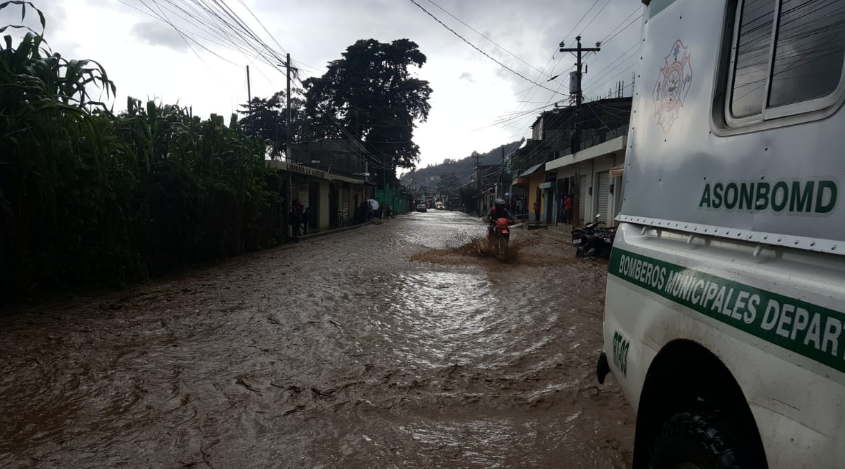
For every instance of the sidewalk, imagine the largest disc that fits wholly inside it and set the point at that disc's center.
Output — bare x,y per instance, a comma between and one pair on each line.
325,232
561,231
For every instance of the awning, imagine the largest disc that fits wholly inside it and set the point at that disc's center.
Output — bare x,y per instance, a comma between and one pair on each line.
336,177
531,170
617,171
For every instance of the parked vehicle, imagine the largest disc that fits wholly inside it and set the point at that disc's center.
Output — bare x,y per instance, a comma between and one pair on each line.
725,310
499,237
593,240
421,208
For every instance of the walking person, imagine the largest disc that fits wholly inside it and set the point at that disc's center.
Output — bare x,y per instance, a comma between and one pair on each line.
305,220
537,210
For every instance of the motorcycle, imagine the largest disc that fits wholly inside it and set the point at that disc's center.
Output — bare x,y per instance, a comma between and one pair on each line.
498,237
593,240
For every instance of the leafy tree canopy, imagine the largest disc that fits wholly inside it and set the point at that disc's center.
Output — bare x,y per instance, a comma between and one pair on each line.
373,95
267,119
448,183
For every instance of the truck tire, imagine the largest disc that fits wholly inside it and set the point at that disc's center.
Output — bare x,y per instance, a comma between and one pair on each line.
697,440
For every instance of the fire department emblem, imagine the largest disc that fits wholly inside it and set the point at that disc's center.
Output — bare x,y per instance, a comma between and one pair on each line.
672,86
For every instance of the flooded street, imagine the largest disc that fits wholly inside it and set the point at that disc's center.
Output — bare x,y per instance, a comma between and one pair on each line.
380,347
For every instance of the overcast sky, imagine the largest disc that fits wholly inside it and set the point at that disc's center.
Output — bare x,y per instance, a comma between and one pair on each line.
147,58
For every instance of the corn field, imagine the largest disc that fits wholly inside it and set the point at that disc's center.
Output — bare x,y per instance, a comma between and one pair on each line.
93,198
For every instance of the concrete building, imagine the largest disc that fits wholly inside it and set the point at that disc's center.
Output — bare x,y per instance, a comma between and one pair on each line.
332,200
599,172
556,160
343,163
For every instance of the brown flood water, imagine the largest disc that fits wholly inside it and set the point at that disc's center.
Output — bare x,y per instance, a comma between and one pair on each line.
388,346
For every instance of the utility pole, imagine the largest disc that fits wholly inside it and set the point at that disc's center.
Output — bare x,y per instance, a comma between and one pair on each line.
248,90
288,150
249,99
499,192
384,179
477,181
393,188
579,99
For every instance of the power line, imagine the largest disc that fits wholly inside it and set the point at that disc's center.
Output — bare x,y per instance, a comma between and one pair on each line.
479,50
262,25
205,18
562,84
485,37
615,76
621,30
594,17
164,18
636,9
614,61
566,38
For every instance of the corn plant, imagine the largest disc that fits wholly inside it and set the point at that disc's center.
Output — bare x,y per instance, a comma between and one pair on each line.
94,197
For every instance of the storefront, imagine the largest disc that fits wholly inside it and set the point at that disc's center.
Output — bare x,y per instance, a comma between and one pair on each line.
596,174
548,202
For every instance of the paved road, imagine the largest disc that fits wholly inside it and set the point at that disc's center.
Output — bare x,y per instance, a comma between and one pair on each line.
388,346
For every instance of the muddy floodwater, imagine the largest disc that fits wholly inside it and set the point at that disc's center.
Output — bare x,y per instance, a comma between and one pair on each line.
386,346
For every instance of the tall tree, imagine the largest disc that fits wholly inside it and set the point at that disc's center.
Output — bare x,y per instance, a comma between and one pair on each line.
267,119
448,183
372,95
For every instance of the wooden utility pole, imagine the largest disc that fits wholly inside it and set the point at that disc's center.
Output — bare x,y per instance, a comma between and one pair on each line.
579,99
290,119
248,90
288,150
499,193
477,182
249,100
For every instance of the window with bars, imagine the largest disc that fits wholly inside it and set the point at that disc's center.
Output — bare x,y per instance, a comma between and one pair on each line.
787,58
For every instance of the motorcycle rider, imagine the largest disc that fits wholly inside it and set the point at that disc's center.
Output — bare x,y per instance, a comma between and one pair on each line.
498,211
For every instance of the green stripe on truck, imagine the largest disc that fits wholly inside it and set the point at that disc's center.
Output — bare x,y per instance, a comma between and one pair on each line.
806,329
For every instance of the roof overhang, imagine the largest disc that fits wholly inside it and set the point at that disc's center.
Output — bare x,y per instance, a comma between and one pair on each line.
531,170
607,148
336,177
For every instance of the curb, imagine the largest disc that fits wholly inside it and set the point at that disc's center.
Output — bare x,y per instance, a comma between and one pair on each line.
309,237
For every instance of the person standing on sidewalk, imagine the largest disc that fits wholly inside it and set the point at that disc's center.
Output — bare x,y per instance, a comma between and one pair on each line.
305,220
567,210
537,210
294,218
364,211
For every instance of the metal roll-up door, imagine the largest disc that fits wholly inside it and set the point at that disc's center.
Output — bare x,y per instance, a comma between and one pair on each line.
582,197
603,195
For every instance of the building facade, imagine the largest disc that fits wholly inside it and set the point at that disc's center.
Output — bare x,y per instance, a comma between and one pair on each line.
578,152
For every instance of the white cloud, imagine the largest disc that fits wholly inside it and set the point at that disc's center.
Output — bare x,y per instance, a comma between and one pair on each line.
146,58
159,34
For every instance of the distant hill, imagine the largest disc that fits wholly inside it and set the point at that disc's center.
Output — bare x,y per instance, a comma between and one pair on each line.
462,168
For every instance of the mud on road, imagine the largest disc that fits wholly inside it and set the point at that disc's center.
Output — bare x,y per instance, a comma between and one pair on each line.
384,347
